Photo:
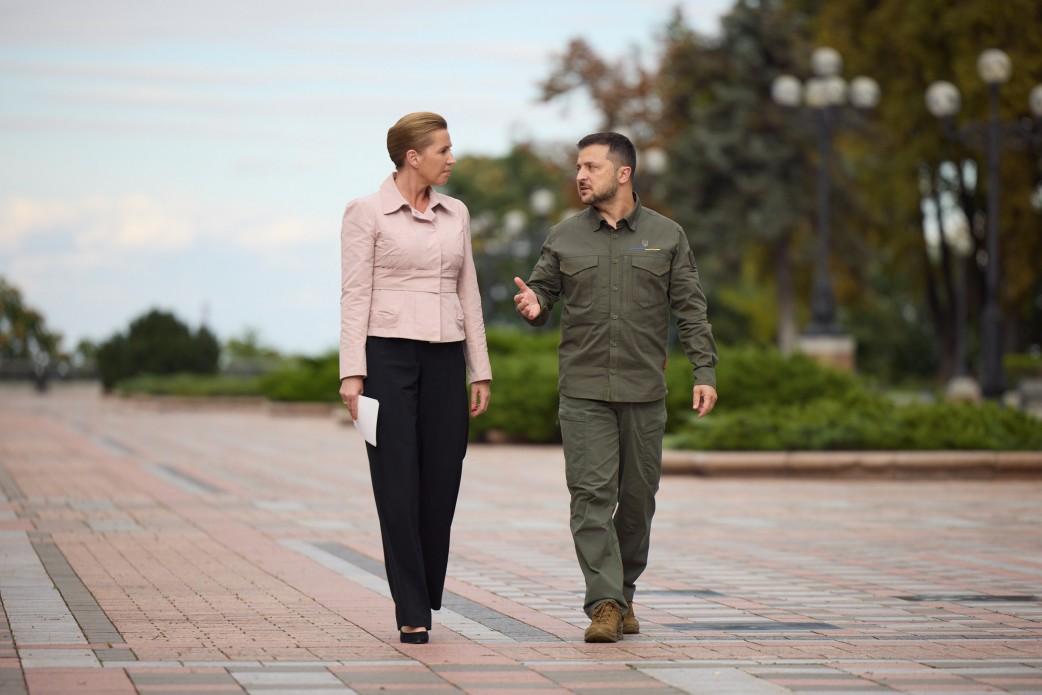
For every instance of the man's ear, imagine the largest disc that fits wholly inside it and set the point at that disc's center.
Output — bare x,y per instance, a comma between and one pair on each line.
624,174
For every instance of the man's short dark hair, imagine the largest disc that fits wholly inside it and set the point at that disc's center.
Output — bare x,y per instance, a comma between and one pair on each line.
621,151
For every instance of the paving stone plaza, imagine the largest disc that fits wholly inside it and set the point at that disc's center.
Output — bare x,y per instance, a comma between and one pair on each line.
160,550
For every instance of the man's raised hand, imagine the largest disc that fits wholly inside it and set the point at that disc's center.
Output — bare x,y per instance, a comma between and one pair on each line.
526,301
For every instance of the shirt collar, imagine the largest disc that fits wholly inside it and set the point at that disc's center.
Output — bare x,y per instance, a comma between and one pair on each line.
392,200
594,219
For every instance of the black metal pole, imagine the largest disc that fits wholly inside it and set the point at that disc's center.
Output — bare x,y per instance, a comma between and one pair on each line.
992,378
960,319
823,306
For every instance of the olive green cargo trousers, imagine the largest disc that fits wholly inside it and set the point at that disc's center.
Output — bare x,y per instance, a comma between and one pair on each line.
613,462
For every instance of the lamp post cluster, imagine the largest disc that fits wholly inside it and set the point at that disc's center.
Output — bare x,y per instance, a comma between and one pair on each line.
943,101
824,95
511,247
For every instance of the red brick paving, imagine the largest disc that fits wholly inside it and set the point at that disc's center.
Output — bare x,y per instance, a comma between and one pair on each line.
203,540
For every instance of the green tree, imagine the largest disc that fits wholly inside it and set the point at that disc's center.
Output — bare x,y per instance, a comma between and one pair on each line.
738,172
248,355
740,179
25,338
506,231
907,46
249,346
157,343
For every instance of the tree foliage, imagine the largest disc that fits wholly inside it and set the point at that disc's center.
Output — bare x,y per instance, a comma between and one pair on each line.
905,47
156,343
738,172
24,334
506,231
741,177
624,91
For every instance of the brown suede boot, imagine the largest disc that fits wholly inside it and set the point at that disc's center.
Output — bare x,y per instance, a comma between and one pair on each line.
630,624
606,625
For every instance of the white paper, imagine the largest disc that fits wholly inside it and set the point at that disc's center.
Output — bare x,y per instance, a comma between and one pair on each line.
368,409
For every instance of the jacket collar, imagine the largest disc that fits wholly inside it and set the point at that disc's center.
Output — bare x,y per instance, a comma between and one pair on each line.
392,200
594,220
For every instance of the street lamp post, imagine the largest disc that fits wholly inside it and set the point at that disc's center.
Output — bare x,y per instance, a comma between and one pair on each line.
653,162
542,201
824,94
943,101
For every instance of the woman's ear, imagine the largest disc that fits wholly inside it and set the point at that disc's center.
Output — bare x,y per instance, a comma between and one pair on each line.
412,157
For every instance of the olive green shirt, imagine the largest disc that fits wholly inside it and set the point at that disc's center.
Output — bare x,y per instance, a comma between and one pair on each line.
618,287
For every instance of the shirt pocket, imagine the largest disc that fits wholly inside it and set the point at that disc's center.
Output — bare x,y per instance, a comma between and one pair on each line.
579,274
650,279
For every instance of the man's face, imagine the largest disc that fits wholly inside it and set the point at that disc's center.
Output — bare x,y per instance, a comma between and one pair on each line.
595,176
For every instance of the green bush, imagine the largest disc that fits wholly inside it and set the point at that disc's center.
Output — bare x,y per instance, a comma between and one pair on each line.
767,402
305,379
862,422
1021,366
194,385
749,376
524,399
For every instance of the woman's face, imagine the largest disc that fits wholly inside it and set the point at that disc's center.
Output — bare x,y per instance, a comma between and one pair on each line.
436,160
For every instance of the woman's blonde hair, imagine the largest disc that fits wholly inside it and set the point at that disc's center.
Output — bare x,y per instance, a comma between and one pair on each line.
412,132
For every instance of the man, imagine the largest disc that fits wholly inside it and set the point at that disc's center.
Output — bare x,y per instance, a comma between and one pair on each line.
619,268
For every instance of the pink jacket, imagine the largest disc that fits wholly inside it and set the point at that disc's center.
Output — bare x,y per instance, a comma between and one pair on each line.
407,274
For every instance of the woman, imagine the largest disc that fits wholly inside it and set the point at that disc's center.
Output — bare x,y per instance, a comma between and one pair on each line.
411,332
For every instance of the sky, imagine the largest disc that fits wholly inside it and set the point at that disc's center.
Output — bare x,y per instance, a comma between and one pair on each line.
196,156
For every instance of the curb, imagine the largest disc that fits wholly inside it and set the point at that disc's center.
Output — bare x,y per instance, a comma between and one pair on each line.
880,465
855,464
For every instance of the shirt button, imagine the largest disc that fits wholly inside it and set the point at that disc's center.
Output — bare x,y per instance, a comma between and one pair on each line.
615,287
614,236
611,371
615,316
615,260
614,344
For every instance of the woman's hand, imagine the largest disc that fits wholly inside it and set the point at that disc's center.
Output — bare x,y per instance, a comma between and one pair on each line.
350,390
480,392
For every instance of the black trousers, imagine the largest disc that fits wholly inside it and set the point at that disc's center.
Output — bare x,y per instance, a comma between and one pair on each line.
421,437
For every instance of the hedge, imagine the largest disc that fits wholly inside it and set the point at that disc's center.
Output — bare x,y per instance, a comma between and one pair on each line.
767,402
865,422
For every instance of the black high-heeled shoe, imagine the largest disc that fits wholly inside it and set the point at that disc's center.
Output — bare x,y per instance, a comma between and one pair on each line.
414,637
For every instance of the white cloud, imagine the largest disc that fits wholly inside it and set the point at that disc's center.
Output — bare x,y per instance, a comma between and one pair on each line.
94,223
283,233
18,218
96,227
135,221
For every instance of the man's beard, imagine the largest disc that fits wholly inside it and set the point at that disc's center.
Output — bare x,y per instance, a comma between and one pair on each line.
608,194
